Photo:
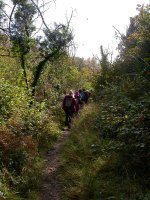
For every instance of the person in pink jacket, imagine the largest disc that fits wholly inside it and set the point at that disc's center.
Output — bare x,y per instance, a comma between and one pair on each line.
69,106
77,98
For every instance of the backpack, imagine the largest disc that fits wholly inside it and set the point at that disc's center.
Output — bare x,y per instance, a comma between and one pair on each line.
82,96
68,102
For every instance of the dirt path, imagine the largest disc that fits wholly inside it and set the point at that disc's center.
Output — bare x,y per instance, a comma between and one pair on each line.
50,187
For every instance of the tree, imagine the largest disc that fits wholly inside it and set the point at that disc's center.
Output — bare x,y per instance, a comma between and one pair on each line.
135,45
21,32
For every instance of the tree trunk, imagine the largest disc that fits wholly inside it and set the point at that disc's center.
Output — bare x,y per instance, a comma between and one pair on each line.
39,70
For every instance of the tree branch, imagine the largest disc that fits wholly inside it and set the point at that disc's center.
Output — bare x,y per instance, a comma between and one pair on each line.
39,69
10,18
40,14
68,21
4,13
121,35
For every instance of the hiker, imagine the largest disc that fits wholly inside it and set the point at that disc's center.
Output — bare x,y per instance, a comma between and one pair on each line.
77,98
81,94
69,106
87,95
84,95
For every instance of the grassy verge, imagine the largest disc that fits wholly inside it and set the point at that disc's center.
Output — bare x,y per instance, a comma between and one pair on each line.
90,170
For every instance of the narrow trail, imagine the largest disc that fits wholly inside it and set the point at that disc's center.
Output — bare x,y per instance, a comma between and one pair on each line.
50,186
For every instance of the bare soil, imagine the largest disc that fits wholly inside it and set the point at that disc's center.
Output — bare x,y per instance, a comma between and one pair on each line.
50,185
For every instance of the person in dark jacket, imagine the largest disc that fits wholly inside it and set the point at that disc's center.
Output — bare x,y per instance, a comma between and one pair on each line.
87,94
69,106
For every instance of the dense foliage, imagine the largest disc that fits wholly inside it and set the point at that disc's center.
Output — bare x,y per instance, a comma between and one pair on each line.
107,155
108,151
35,74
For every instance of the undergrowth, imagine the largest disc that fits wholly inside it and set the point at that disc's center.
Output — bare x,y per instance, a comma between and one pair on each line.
25,130
105,156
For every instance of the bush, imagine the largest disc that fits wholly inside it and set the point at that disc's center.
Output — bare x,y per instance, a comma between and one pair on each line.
25,126
96,163
108,150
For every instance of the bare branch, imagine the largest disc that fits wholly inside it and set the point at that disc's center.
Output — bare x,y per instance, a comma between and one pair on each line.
68,21
43,5
10,18
4,13
121,35
38,30
40,14
3,29
8,5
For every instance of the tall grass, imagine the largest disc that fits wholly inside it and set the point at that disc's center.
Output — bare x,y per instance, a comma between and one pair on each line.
90,169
